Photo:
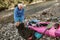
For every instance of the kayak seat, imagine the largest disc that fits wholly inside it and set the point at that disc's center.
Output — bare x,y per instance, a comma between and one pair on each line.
40,25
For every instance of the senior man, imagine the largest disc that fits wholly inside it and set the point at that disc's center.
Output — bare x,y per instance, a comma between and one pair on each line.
19,15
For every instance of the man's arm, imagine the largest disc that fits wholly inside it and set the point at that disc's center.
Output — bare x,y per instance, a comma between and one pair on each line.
15,14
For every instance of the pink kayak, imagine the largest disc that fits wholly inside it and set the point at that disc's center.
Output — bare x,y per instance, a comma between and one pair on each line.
50,32
57,33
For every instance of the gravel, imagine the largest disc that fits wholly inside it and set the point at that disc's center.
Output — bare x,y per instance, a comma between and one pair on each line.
9,32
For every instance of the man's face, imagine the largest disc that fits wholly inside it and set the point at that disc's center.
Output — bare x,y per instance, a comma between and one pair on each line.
20,7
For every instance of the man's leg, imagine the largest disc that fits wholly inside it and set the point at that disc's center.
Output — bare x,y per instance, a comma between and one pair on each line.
17,24
22,25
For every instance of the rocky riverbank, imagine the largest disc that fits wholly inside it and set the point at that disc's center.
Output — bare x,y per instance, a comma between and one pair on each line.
9,32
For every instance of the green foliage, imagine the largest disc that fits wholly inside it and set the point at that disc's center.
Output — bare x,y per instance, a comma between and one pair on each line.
11,3
7,3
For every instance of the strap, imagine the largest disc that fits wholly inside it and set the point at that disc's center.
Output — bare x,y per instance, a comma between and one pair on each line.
50,25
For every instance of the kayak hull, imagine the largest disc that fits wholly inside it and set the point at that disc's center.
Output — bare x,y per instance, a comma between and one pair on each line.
52,32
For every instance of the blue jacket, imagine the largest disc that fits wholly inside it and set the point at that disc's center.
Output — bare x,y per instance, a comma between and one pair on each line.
18,13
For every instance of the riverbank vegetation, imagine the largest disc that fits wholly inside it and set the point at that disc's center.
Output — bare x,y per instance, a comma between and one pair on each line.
5,4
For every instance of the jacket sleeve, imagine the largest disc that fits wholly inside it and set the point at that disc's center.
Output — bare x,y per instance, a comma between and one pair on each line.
15,13
23,13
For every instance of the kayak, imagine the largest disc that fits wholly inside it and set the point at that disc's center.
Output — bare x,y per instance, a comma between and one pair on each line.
42,27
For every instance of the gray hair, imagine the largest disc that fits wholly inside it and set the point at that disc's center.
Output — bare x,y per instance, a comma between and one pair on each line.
20,4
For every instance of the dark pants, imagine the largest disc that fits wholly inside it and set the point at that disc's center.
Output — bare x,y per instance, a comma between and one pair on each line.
24,32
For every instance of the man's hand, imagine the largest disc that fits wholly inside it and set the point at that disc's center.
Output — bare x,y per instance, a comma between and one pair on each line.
17,24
